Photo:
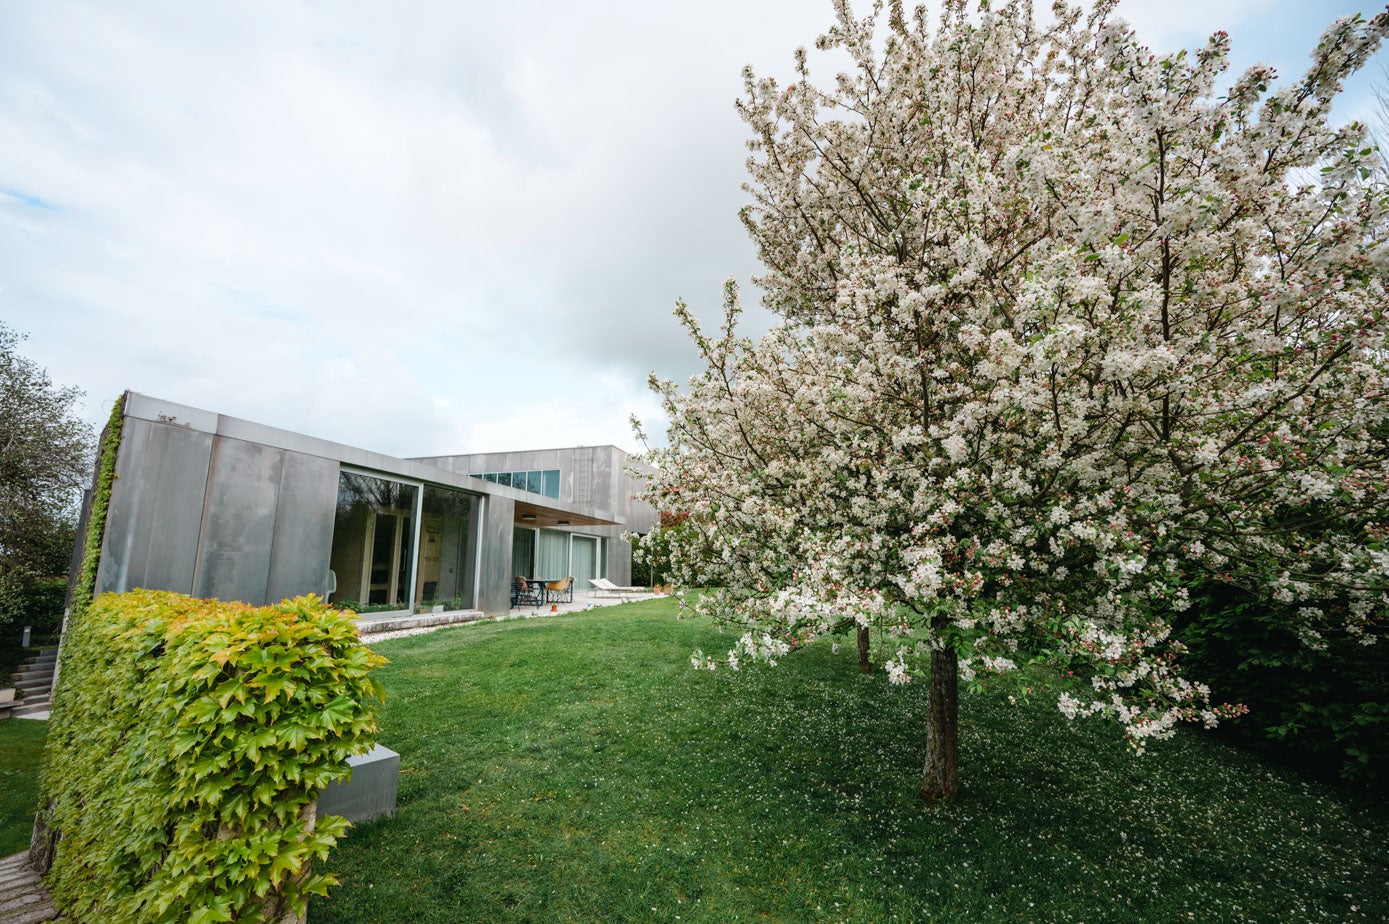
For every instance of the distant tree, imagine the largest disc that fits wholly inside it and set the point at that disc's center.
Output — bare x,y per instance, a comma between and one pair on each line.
1063,333
45,458
641,568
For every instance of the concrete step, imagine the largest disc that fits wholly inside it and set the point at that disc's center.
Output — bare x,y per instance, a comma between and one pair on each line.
42,661
15,870
39,714
29,668
23,899
32,692
33,683
32,711
367,626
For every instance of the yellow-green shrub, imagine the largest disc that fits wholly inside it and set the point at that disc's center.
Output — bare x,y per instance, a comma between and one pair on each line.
188,749
44,843
107,450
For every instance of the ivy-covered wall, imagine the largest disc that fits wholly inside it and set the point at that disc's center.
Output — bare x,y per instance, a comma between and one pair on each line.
101,501
187,752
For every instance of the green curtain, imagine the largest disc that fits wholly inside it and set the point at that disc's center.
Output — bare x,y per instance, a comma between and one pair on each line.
585,561
522,543
553,561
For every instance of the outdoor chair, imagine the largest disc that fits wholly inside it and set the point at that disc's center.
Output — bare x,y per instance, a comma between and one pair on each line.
524,593
561,591
608,587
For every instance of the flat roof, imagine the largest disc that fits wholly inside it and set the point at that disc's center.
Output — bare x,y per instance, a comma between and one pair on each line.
170,413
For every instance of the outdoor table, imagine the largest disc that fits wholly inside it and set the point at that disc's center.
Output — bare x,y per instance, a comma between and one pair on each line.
543,587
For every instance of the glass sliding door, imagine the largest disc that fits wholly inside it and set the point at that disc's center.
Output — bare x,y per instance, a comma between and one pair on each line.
552,559
448,549
373,542
585,561
522,552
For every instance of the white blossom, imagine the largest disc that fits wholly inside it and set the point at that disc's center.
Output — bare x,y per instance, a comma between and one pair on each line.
1049,306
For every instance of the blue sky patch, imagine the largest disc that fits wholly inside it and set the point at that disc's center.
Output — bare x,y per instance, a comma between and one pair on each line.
25,199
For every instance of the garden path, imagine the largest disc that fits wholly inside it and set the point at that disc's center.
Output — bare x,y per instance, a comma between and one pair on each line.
23,899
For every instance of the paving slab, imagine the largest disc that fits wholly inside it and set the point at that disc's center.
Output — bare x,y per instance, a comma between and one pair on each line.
23,899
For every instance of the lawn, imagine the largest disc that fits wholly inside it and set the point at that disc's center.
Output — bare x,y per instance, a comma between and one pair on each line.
21,748
577,769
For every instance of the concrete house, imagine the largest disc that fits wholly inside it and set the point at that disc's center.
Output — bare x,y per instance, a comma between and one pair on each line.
215,506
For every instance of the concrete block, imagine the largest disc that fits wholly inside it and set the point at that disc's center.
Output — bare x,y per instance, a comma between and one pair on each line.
370,793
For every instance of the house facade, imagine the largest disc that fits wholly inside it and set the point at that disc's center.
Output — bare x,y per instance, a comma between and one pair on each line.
215,506
547,543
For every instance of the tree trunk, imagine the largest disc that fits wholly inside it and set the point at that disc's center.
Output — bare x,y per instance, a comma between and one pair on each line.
43,845
863,664
942,726
272,907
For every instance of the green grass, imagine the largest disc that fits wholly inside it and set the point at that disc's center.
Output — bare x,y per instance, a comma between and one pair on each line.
577,769
21,751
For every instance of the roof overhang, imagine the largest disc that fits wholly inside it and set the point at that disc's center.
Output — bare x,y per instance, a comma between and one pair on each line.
551,517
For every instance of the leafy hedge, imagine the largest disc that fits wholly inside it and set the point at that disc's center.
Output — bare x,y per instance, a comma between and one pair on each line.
187,752
1324,706
101,499
36,603
44,843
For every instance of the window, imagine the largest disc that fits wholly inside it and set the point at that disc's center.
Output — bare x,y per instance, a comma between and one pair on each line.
542,481
447,548
373,541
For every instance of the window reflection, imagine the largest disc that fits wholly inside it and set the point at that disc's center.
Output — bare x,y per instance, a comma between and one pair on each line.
447,549
540,481
373,542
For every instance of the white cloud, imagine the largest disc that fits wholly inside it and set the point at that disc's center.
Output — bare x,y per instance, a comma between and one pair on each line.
417,228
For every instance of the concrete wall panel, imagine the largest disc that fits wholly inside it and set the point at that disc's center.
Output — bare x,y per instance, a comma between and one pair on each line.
639,515
239,521
603,488
494,591
619,559
303,542
155,513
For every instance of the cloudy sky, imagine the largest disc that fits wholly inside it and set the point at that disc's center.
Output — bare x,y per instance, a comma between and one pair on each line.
415,227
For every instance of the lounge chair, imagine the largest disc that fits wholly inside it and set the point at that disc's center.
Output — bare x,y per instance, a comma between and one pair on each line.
608,587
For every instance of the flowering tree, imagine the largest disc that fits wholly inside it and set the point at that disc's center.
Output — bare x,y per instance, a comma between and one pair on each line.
45,455
1063,330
